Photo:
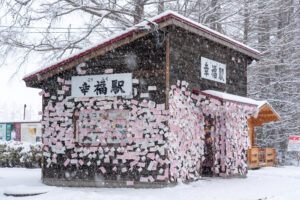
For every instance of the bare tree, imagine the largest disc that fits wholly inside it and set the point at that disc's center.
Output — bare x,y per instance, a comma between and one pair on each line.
46,26
276,77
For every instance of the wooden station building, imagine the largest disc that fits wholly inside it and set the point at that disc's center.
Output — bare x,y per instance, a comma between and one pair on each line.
137,110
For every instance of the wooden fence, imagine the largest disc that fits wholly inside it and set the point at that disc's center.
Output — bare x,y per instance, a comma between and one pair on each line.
258,157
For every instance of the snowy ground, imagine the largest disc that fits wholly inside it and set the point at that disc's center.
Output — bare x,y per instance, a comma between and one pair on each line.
264,184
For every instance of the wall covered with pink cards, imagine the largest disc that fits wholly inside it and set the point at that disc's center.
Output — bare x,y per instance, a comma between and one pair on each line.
186,141
135,142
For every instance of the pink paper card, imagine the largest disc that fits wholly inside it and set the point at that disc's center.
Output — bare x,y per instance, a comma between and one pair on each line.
151,156
83,132
106,160
123,144
111,153
68,82
103,170
46,141
93,149
135,102
144,95
129,148
151,88
143,179
135,81
46,148
109,71
144,104
141,164
54,160
160,106
66,162
81,72
160,177
129,183
81,162
151,179
74,155
133,163
59,145
187,93
60,80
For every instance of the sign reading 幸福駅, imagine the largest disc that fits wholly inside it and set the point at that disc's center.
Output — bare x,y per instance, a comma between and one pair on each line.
102,85
213,70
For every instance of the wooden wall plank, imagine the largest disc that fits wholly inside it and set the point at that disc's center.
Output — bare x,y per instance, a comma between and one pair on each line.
167,70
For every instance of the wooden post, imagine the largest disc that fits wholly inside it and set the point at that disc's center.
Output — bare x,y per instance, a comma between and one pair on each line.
167,71
43,132
168,85
251,131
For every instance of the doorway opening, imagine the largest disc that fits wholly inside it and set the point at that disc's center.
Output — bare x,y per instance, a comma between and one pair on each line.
208,162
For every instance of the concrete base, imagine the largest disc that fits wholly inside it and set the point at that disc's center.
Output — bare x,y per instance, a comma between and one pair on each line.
117,183
102,184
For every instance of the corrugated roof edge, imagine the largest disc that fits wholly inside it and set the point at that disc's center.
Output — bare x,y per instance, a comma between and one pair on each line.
163,16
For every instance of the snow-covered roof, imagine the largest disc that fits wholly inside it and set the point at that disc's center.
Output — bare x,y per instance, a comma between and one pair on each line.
130,31
19,121
237,99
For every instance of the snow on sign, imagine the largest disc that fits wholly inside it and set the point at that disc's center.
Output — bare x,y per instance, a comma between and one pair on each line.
294,143
102,85
213,70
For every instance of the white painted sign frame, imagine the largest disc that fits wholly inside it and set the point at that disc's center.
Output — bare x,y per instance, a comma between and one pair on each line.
94,85
294,143
213,70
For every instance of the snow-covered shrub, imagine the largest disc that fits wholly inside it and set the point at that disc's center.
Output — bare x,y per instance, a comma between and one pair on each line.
20,154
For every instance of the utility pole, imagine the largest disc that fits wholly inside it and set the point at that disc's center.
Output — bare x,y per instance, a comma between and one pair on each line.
24,111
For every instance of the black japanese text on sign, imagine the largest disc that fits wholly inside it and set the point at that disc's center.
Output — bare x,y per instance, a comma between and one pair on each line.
213,70
102,85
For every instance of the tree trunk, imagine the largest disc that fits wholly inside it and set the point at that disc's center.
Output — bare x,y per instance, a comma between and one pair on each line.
139,11
160,6
246,23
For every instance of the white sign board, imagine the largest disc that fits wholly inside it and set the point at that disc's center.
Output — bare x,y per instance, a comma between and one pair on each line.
111,125
102,85
213,70
2,131
294,143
